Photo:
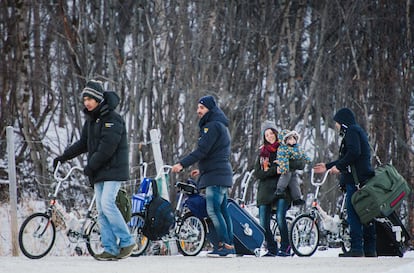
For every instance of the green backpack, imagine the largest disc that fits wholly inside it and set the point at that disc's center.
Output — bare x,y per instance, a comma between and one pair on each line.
123,203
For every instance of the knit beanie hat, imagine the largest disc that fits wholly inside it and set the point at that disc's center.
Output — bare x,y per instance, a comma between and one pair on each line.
94,90
208,101
268,124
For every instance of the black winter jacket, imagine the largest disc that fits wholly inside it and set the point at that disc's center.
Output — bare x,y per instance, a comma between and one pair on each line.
355,149
104,138
213,151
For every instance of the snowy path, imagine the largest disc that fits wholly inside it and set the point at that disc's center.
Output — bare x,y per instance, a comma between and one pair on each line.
321,262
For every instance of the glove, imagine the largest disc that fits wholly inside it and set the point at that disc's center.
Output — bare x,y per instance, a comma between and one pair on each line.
60,159
88,171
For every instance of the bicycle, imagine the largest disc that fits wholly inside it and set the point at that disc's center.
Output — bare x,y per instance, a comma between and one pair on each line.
37,233
307,228
188,232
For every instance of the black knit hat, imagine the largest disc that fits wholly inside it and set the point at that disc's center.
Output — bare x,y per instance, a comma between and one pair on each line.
208,101
94,90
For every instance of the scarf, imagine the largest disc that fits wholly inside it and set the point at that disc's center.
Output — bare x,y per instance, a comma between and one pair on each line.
268,149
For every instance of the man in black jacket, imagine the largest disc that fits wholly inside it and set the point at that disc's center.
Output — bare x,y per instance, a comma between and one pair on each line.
354,154
104,138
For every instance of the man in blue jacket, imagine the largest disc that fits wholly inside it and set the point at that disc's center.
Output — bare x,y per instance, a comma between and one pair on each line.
354,154
104,139
215,172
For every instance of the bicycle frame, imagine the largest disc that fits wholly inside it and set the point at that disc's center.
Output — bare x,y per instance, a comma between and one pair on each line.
38,231
306,227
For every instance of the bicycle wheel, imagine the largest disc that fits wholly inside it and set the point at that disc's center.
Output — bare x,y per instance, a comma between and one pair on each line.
37,235
345,236
136,225
93,239
191,235
304,235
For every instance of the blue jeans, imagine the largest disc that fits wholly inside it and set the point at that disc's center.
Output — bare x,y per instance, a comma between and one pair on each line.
265,212
216,198
114,231
363,237
282,207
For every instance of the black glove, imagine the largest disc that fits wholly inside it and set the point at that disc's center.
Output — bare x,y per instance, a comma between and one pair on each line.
88,171
60,159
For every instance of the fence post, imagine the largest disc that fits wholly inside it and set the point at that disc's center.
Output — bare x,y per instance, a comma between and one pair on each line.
12,189
156,149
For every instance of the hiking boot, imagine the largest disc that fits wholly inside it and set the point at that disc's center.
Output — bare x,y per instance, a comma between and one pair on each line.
299,202
126,251
351,254
105,256
371,254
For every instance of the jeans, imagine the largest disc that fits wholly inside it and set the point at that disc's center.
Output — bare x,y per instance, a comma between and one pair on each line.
265,212
114,231
363,237
216,198
282,207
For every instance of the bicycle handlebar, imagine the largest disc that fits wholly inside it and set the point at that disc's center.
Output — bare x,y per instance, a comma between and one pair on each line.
163,171
317,184
60,179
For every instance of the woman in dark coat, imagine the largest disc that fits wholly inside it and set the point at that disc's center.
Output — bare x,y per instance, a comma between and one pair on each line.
266,171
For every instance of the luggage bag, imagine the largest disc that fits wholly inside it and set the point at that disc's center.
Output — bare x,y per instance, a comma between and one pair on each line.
392,236
248,233
381,194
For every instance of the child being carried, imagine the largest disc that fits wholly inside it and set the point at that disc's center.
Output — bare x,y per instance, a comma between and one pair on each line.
289,150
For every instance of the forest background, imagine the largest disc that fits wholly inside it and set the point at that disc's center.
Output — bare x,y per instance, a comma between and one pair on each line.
294,62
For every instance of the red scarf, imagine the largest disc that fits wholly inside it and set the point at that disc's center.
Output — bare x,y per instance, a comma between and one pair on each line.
268,149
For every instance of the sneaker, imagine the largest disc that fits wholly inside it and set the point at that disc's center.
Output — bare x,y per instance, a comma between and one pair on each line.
261,251
126,251
105,256
299,202
223,251
351,254
282,253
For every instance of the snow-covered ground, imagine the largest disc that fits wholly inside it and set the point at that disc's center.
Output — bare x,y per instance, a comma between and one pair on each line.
321,262
63,259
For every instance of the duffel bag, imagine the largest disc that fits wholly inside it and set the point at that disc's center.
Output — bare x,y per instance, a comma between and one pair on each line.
381,194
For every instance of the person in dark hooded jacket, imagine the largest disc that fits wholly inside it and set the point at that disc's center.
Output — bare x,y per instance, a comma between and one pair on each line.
214,170
104,138
354,154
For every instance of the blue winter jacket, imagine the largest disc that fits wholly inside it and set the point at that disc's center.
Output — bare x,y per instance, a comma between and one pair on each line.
213,151
355,149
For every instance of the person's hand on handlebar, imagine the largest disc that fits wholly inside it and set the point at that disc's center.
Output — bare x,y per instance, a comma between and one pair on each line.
321,168
177,168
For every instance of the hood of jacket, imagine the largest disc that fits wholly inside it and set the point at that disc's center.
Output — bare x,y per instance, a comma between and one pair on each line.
285,134
215,114
109,103
345,116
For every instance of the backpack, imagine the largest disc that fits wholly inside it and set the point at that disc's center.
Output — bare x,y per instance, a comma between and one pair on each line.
123,203
159,216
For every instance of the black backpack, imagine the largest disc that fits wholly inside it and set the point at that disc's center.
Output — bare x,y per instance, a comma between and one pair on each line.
159,216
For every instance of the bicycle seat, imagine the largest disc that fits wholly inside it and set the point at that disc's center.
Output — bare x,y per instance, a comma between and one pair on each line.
188,188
